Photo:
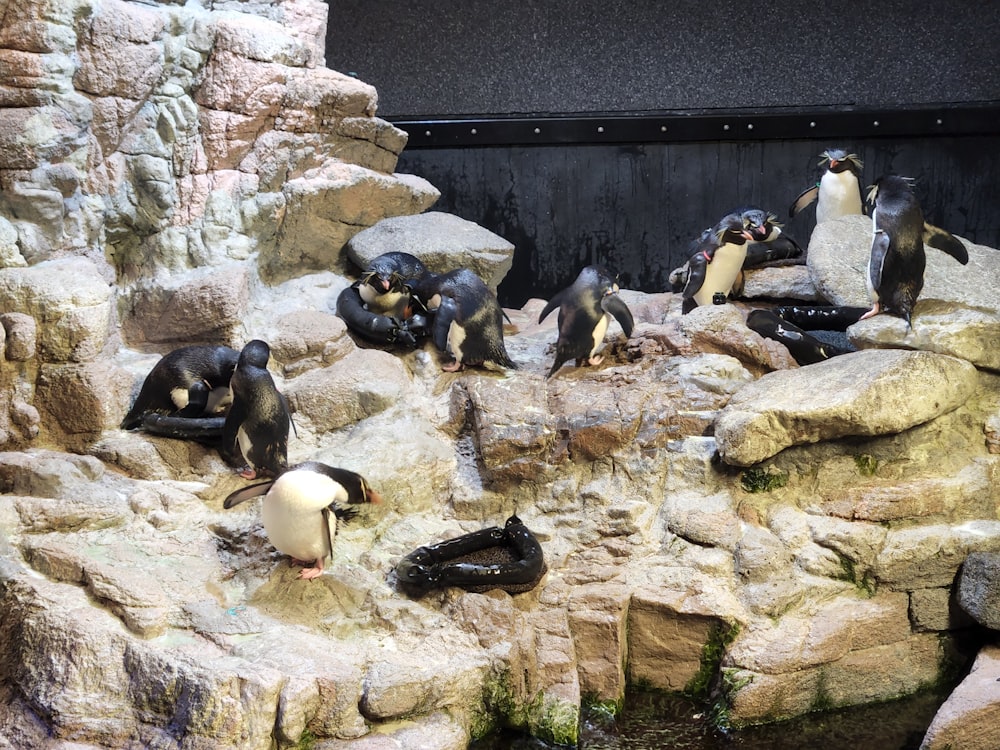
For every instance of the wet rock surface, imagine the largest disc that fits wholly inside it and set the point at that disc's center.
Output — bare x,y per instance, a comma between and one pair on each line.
711,514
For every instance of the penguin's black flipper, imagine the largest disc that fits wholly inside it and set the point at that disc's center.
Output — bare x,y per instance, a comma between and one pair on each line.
553,304
246,493
946,242
880,248
806,197
443,318
697,265
782,247
615,305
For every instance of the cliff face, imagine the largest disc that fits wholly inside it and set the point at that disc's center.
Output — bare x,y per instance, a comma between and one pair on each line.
191,173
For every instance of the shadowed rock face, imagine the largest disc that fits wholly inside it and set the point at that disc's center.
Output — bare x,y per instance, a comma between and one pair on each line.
178,175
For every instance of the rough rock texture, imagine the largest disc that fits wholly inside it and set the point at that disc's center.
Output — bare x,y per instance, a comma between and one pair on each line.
979,588
862,393
440,240
970,718
177,174
838,262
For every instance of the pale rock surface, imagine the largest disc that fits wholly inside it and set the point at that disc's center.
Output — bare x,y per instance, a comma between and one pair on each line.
838,261
442,241
209,198
861,393
970,718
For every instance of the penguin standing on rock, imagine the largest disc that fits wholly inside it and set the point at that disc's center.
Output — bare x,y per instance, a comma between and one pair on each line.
258,421
189,382
301,510
838,192
897,262
717,265
585,311
468,320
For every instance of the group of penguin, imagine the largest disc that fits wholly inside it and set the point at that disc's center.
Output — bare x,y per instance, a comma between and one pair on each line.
228,398
895,273
397,299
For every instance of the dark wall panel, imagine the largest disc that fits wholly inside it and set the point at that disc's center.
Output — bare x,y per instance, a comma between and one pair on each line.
635,208
451,57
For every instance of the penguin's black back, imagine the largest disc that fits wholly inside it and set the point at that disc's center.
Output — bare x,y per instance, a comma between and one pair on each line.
180,368
478,313
901,273
260,410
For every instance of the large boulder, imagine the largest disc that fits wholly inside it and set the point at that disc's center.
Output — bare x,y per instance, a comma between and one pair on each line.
862,393
442,241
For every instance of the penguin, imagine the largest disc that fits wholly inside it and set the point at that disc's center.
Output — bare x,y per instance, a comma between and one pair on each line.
585,311
384,286
769,242
189,382
468,320
258,421
838,192
301,510
715,268
897,262
805,348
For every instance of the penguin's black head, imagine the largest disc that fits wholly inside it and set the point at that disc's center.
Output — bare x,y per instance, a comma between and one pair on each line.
889,186
838,160
759,223
601,278
732,228
255,354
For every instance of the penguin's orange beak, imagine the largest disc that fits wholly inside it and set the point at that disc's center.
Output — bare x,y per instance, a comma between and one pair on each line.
833,163
373,497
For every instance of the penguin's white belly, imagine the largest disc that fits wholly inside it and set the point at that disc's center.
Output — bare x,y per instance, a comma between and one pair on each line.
456,337
599,331
839,195
383,304
293,514
180,397
246,445
721,273
218,399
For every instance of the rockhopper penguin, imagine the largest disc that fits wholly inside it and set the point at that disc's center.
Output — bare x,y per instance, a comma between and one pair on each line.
302,508
585,310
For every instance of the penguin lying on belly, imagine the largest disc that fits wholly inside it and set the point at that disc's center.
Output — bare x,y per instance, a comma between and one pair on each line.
257,424
585,311
378,305
301,510
189,382
468,320
897,262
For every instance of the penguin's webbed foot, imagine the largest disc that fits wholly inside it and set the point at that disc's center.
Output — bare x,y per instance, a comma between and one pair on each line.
307,574
248,472
876,309
596,359
452,366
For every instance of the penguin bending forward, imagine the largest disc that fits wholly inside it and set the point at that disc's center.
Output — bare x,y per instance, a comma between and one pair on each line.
898,260
468,320
585,311
189,382
378,306
838,192
258,421
301,510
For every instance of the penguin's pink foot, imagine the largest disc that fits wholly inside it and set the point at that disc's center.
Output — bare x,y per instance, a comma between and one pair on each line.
452,366
876,309
596,359
247,472
307,574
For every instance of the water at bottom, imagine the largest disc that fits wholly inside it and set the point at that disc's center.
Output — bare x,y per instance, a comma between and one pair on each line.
657,721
